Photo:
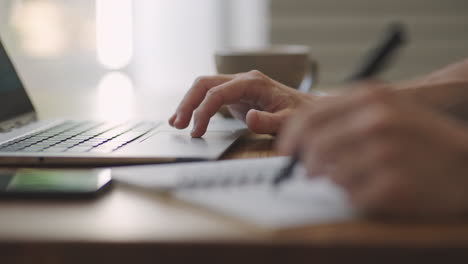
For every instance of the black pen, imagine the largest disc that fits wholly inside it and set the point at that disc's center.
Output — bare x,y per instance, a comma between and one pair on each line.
373,64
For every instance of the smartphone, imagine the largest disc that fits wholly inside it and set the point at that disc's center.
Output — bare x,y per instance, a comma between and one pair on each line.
53,183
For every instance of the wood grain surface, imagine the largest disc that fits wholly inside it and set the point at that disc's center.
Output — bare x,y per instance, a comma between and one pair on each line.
128,225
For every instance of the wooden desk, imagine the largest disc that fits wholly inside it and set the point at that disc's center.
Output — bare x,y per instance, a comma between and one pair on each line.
130,226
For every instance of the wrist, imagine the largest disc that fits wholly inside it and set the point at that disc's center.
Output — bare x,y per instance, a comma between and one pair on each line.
449,97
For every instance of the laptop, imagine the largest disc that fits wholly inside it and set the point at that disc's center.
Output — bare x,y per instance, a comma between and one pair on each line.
24,140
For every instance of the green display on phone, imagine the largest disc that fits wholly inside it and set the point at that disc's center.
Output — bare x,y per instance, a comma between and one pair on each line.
66,183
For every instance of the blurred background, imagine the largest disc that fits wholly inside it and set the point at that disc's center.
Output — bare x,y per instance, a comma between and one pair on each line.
123,47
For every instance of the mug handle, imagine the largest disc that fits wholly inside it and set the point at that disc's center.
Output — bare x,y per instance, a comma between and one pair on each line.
310,79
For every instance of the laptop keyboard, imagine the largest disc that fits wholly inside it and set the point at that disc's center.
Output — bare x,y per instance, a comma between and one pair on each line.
79,137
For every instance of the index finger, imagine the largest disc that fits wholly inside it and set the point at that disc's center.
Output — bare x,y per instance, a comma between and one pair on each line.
193,98
227,93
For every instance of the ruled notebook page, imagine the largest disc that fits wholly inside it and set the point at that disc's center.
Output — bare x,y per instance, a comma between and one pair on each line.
243,189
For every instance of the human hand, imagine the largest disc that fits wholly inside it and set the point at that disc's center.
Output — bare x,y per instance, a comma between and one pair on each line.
262,103
392,157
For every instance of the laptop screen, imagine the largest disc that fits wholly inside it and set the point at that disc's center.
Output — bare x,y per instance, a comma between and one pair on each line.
13,98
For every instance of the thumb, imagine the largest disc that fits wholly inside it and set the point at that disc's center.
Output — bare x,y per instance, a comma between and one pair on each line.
262,122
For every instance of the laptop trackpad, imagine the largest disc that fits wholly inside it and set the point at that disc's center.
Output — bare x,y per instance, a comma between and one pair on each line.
182,145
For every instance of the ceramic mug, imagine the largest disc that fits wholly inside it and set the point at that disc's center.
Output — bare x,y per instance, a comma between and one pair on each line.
287,64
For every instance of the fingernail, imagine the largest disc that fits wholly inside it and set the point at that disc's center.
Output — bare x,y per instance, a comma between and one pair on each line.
177,121
194,128
193,133
172,119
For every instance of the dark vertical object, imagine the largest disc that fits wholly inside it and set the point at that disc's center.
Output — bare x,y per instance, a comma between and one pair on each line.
372,65
379,57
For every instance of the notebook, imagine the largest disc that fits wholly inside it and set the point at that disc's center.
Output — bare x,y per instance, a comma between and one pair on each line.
243,189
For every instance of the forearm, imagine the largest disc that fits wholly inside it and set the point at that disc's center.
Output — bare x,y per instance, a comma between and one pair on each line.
455,72
450,97
445,89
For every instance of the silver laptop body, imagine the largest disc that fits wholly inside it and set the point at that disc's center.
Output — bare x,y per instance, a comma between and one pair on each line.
26,141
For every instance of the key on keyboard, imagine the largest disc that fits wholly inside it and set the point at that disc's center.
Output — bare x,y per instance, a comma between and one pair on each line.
76,137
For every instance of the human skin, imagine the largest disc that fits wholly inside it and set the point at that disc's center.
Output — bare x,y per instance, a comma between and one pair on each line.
392,156
398,149
264,104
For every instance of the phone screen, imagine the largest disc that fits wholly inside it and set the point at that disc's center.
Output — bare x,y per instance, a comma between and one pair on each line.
61,182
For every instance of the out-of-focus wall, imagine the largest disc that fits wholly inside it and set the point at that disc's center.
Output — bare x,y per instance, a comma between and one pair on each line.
339,32
175,40
52,42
